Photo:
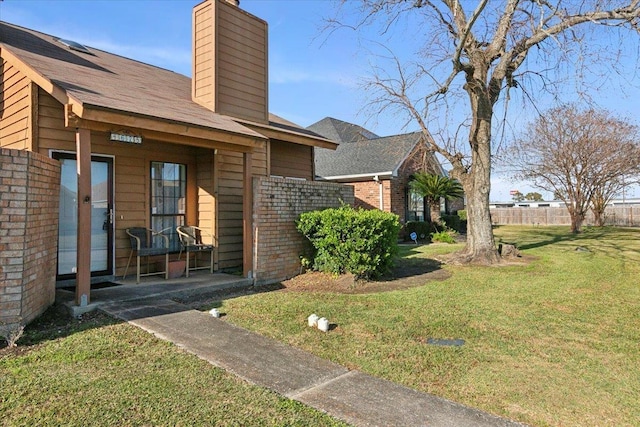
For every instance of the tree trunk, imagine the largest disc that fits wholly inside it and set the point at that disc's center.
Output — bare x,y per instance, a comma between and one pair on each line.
577,218
480,247
599,217
598,206
434,211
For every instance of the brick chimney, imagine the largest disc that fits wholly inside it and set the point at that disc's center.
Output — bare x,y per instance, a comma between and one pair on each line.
230,61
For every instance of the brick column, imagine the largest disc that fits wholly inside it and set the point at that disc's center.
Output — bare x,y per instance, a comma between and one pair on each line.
29,197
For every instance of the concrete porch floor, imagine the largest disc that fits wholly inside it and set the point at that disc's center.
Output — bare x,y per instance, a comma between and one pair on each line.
198,283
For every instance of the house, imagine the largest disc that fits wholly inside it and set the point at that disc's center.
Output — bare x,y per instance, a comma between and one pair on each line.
379,168
129,144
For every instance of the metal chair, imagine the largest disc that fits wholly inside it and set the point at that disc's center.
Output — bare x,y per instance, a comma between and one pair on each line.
142,244
191,242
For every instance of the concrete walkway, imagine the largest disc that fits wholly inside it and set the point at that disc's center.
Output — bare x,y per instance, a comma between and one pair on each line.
357,398
198,284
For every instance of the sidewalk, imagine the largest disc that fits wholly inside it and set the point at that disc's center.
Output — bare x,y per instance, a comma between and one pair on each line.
357,398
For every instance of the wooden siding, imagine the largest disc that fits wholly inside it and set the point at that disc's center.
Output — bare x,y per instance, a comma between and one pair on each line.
207,197
16,114
214,191
242,77
131,171
230,61
203,47
291,160
229,166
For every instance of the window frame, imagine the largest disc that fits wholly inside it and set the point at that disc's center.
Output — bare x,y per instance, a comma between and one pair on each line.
179,202
413,214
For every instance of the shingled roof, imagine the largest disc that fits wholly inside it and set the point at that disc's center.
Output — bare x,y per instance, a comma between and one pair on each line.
109,82
357,155
340,131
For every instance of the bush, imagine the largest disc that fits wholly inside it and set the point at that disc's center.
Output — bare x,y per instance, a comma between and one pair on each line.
452,221
462,214
346,240
421,228
455,222
445,236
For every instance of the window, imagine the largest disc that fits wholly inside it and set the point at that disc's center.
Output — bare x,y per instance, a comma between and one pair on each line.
415,206
168,199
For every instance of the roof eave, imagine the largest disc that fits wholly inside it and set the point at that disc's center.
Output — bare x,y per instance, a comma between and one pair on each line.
357,177
286,135
100,119
32,74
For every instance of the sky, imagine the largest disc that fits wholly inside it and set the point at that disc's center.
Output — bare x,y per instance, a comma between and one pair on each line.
313,73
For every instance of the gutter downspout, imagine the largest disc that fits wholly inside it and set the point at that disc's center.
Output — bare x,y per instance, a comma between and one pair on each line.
381,192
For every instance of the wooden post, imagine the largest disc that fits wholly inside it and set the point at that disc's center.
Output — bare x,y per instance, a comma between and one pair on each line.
83,257
247,218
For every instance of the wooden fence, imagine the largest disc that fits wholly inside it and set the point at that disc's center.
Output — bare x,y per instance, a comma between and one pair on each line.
624,216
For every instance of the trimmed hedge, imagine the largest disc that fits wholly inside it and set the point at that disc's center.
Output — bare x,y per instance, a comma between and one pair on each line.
346,240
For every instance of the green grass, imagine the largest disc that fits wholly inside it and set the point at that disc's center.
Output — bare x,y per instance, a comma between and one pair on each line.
101,373
552,342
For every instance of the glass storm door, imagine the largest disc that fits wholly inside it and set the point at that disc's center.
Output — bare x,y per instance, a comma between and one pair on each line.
101,216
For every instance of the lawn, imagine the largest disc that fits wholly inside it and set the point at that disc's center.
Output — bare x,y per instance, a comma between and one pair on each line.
97,372
553,340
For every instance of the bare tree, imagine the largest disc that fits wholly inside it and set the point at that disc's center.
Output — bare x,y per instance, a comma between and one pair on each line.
581,156
477,55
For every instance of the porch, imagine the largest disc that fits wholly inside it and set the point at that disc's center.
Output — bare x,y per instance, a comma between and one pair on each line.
198,283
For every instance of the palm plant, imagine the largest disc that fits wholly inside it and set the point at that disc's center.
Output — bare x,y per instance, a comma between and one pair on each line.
433,188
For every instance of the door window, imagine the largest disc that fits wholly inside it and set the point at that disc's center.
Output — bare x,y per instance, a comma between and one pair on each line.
101,210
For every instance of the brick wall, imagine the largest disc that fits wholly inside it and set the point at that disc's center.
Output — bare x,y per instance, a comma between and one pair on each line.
277,204
367,194
29,193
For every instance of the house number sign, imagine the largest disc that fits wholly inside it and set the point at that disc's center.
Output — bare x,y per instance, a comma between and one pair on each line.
125,137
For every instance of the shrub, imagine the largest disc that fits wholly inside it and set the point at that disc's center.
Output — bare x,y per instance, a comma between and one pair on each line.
346,240
462,214
452,221
455,222
421,228
445,236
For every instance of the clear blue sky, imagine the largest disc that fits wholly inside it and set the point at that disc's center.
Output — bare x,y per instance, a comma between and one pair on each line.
312,74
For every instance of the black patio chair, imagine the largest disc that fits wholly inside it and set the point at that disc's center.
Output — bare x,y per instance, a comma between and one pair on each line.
191,242
142,244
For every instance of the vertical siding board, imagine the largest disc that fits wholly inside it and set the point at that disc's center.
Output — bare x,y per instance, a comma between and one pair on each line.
15,116
291,160
230,73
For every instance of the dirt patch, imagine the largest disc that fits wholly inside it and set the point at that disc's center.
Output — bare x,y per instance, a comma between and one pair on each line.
456,259
407,274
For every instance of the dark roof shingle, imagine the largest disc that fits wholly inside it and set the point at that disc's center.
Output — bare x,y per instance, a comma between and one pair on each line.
340,131
112,82
366,156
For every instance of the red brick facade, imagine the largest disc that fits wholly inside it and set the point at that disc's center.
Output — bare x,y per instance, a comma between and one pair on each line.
394,189
29,187
277,204
367,194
